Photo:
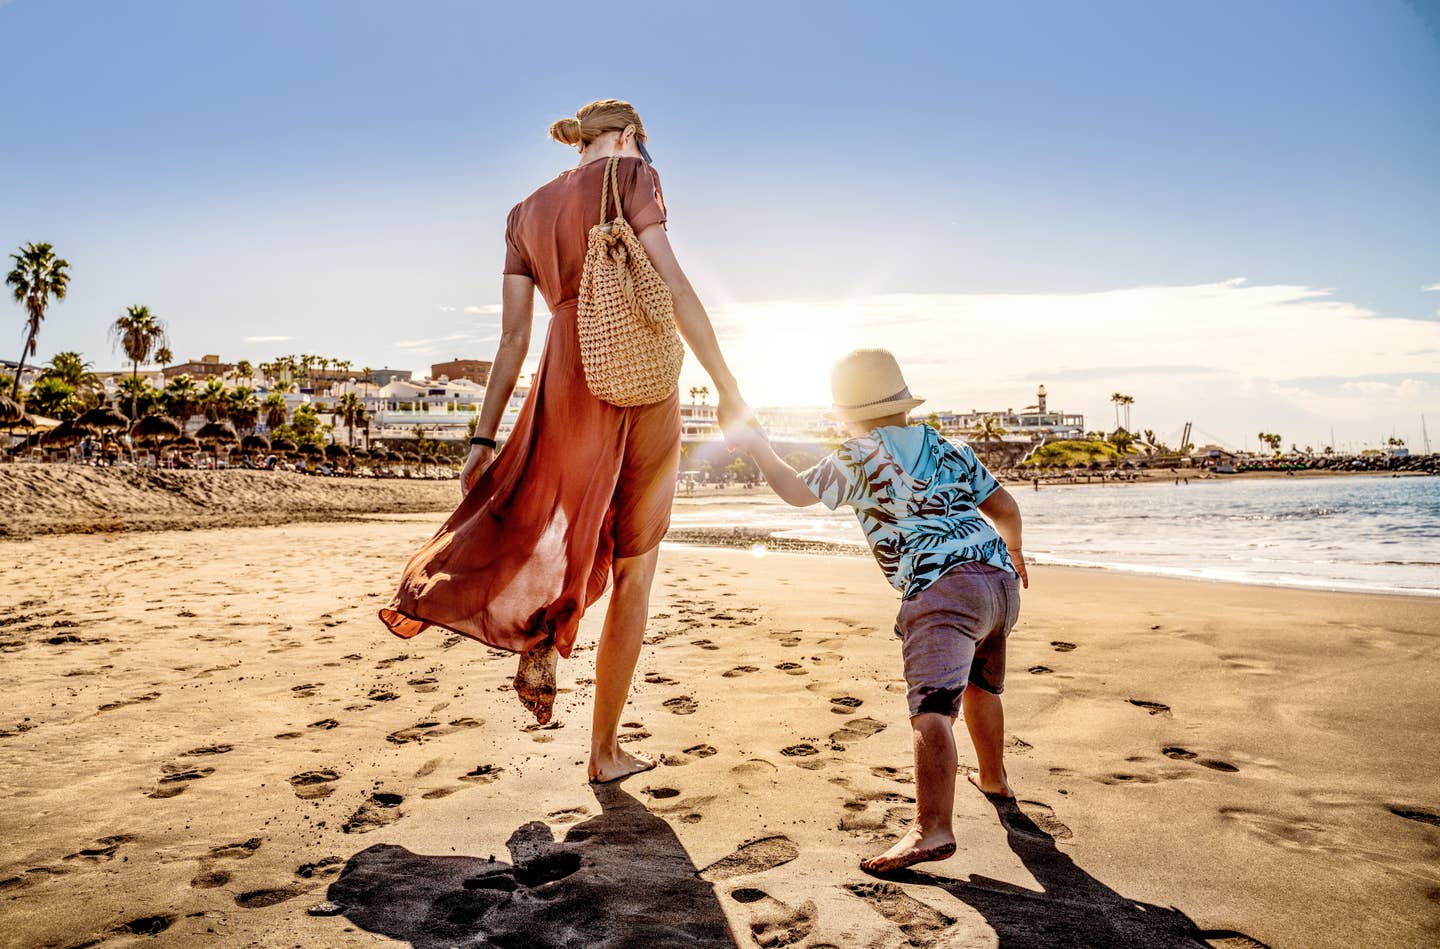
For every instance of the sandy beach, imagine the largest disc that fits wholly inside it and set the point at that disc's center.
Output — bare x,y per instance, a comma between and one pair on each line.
210,737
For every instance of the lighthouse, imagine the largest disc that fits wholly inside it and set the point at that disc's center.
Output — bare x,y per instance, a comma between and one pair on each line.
1040,400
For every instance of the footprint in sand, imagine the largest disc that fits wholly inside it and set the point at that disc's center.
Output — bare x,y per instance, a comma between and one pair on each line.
773,923
1179,754
737,671
1423,817
633,736
1043,817
103,849
145,926
568,815
661,794
754,773
381,695
1040,670
845,704
424,684
791,668
171,777
755,856
292,734
858,729
148,697
314,785
258,899
1154,708
325,866
681,705
655,678
802,750
379,809
921,923
207,750
1060,646
1217,765
704,644
324,723
482,774
700,751
422,731
307,690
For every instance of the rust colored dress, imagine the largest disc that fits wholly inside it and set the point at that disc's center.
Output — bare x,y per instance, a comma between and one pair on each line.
579,483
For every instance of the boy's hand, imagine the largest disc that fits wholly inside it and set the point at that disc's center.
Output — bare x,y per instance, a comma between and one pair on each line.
1017,557
748,438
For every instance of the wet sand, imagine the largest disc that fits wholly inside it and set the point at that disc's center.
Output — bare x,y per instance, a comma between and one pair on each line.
209,736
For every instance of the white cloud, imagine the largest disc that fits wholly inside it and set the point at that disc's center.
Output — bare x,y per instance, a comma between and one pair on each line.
1220,353
267,339
489,309
1430,287
420,344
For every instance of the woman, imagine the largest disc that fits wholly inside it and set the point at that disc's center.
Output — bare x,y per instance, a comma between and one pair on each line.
583,488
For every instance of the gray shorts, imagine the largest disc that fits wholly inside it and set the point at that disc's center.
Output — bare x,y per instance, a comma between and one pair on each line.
953,633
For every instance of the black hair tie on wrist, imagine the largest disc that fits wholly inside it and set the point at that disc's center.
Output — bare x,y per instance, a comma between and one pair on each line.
482,440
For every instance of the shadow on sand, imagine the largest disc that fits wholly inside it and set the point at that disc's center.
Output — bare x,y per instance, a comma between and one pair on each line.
621,878
1073,908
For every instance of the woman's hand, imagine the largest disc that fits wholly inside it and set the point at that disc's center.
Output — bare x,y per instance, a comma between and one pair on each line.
733,411
481,457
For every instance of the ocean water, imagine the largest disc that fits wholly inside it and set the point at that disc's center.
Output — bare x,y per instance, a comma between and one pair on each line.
1363,533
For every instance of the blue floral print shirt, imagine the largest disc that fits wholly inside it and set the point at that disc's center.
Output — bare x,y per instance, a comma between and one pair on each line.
917,496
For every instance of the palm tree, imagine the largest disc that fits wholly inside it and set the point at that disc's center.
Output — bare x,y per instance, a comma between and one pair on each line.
163,356
244,409
142,396
1126,401
352,411
214,400
244,370
987,431
38,276
1119,399
182,400
52,397
139,334
276,412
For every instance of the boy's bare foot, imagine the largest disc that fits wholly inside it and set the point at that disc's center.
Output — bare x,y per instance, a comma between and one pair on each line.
999,788
911,849
535,680
613,767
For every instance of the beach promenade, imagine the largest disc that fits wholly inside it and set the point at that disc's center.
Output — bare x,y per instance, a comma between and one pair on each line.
209,737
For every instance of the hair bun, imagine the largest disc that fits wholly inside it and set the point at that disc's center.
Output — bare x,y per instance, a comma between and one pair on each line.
566,131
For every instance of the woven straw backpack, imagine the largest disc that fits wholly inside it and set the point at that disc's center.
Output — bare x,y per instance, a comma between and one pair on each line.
629,346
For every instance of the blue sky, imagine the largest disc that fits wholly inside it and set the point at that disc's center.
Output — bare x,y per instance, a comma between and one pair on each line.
338,173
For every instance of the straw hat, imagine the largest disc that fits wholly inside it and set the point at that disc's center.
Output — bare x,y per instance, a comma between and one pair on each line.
866,384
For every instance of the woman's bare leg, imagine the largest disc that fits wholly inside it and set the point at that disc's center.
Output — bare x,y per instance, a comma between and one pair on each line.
615,665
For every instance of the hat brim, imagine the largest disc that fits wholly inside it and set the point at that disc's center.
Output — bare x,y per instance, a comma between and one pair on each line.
866,412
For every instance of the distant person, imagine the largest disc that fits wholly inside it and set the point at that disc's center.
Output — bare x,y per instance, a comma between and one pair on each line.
582,492
919,498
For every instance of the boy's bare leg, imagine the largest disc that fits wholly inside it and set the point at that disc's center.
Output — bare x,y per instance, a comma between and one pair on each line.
931,836
615,665
985,718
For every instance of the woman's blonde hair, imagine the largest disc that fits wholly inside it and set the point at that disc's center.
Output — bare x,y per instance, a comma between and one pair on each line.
591,121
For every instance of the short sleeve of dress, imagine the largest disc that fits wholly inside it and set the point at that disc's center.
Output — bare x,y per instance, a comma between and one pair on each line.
834,481
640,193
515,260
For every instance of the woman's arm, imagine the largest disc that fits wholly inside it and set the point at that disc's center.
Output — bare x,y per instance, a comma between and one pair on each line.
694,324
517,297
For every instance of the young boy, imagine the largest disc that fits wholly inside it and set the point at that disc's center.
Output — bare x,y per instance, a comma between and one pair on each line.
919,499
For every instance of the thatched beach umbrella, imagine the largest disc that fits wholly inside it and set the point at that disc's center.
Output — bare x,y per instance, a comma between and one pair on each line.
68,432
257,443
156,428
336,452
103,418
311,450
215,434
10,410
283,445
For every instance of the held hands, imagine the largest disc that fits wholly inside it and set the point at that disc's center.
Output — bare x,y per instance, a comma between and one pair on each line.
481,457
1018,559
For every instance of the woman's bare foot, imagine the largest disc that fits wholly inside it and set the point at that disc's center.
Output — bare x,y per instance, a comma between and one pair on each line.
612,766
535,680
911,849
999,788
